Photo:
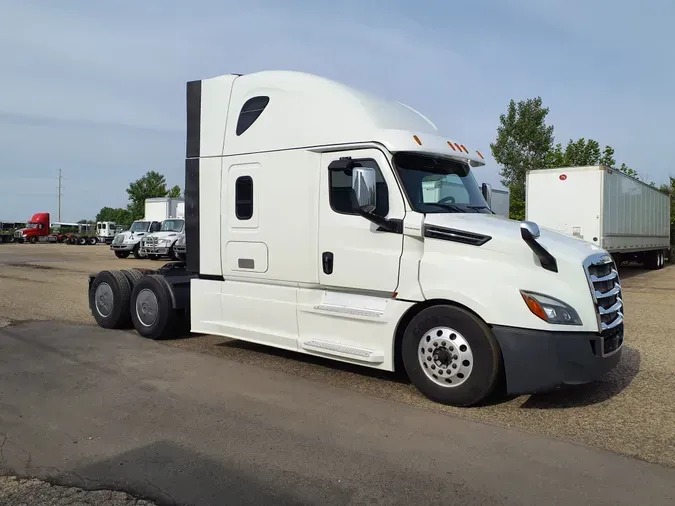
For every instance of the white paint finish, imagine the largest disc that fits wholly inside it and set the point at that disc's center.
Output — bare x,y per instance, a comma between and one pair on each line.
260,313
487,279
601,206
205,306
214,109
285,211
236,252
296,117
359,322
413,249
364,259
210,216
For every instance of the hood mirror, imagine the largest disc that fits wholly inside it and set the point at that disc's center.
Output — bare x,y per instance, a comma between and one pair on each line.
529,230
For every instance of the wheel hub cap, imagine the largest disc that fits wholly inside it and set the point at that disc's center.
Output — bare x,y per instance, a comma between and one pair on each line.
103,298
146,307
445,356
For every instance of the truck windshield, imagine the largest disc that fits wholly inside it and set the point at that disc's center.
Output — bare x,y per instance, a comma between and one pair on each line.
172,226
436,184
139,226
31,225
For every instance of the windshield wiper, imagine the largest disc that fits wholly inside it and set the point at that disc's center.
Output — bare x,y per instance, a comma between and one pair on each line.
448,207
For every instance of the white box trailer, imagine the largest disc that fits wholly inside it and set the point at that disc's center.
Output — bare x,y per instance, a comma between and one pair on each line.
624,216
499,202
162,208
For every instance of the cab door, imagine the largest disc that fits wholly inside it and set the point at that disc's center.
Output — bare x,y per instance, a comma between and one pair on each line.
356,254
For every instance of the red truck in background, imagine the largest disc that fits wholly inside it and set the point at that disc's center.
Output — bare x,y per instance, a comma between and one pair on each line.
38,230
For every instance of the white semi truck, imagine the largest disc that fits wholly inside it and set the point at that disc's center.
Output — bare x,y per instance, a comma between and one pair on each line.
308,229
624,216
156,210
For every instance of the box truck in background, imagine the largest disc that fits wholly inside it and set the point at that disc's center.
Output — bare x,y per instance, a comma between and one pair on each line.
624,216
163,208
498,200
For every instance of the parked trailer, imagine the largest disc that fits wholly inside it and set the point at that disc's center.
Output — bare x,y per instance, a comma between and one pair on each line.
307,229
624,216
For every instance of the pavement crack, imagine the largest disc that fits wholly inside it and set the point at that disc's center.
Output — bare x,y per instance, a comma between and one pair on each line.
164,492
2,445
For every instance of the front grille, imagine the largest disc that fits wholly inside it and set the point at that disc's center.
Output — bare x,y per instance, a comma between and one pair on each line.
604,283
119,239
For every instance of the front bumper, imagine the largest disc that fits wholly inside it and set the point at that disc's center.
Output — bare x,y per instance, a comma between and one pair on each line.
539,361
154,250
122,247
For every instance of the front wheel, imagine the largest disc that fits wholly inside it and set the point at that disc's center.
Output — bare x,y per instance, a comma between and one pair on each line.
121,254
451,356
137,252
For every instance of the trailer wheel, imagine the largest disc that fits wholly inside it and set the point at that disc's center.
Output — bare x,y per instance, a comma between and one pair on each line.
451,356
121,254
109,297
152,311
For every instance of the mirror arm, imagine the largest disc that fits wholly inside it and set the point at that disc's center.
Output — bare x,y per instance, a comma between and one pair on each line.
384,223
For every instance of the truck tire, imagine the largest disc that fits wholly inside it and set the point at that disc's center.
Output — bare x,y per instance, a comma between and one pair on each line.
172,253
451,356
153,257
109,297
93,241
152,311
133,276
121,254
137,252
32,239
82,241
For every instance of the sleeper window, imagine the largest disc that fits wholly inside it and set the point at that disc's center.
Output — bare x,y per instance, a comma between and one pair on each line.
243,197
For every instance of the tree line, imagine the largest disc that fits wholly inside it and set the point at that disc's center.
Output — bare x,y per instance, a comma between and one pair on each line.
152,184
524,141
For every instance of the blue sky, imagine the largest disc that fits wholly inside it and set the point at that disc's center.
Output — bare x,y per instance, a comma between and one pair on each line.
97,88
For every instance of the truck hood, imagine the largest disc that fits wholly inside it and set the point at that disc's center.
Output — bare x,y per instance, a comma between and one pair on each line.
164,235
506,238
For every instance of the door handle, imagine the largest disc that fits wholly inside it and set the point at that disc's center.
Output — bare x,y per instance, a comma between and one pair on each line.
327,261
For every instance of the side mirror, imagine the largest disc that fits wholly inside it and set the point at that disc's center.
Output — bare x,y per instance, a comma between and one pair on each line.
529,230
486,190
363,185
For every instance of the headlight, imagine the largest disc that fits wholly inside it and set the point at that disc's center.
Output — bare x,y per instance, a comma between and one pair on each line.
550,310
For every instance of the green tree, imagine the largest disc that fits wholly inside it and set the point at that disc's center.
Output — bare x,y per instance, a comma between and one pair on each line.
524,141
118,215
579,153
152,184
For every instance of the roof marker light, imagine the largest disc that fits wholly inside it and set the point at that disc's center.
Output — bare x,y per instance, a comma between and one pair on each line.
464,149
417,140
479,154
458,147
453,147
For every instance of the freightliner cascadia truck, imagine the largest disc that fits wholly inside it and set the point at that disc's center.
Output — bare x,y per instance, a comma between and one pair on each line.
308,229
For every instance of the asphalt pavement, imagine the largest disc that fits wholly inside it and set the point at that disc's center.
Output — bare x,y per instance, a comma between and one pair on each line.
97,409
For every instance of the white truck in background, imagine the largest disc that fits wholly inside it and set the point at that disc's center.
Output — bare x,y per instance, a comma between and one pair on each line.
161,243
624,216
498,200
156,210
309,227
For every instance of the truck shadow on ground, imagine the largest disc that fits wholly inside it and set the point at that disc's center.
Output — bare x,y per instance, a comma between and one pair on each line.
170,474
574,396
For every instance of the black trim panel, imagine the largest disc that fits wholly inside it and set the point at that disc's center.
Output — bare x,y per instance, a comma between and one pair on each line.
450,234
194,113
211,277
192,214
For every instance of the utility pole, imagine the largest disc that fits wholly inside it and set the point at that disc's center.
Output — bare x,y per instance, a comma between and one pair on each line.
60,194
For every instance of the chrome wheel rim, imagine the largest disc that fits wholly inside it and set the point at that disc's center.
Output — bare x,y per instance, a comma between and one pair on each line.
445,357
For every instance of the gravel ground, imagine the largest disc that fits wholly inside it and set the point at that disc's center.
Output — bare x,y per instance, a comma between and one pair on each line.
18,492
631,411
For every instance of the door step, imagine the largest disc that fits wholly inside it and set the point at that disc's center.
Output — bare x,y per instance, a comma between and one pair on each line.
343,350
